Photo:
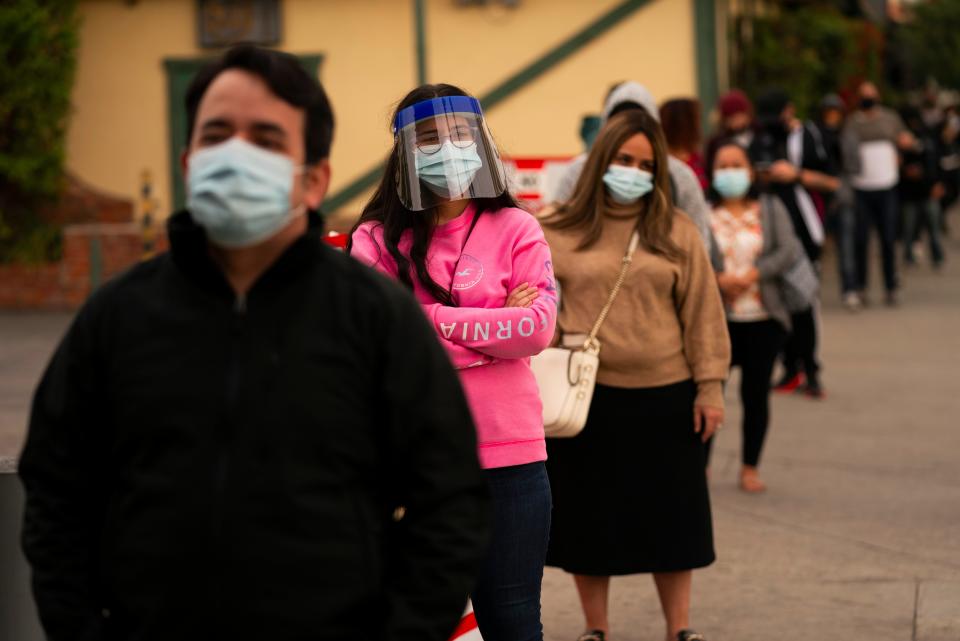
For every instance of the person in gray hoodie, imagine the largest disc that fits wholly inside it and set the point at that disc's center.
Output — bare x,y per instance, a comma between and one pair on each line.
688,195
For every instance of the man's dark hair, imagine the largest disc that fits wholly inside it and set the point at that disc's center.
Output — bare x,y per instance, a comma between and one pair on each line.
286,78
771,103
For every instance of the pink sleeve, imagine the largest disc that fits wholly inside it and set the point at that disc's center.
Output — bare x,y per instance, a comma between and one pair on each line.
510,332
367,248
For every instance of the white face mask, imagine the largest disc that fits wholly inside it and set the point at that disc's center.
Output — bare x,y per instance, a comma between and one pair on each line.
627,185
240,193
450,171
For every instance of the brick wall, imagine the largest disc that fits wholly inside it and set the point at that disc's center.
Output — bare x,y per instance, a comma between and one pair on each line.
92,253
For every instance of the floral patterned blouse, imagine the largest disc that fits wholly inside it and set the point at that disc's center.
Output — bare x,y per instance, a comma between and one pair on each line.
740,239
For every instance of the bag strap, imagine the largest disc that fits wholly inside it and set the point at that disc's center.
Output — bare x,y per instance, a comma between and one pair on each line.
627,259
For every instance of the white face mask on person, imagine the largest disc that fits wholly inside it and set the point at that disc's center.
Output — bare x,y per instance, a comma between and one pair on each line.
732,183
240,193
450,171
627,185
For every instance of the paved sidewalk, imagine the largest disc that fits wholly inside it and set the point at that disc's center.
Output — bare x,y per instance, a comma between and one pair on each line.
27,341
859,535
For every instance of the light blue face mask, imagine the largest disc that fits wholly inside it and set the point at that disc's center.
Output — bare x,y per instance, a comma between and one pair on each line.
449,172
627,185
731,183
240,193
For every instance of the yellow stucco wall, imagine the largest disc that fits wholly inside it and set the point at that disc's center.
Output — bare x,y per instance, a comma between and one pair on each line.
119,125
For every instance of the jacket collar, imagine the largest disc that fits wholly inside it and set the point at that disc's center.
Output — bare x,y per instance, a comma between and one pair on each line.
190,252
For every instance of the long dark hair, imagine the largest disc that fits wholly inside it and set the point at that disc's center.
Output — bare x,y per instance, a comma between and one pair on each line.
585,210
386,209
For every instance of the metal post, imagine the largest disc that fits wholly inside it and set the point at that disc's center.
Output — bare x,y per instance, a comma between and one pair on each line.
705,31
420,26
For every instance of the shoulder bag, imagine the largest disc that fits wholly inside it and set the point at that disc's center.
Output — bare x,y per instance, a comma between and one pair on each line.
567,374
799,285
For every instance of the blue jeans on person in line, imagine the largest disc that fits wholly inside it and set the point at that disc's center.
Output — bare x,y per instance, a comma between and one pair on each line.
506,600
846,248
915,213
877,208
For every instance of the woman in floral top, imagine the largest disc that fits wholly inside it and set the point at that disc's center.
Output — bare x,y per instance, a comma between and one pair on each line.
758,245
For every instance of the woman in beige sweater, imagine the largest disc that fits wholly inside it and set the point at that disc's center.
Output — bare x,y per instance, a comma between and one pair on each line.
630,492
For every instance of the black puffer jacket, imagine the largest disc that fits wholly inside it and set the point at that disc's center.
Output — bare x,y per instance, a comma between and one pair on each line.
203,468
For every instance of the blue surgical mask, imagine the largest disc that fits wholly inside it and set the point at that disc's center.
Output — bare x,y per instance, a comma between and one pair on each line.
449,172
731,183
627,185
240,193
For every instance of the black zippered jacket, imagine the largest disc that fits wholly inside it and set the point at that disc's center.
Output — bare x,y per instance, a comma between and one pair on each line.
199,467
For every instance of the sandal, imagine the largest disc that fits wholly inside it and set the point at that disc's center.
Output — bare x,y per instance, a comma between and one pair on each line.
690,635
593,635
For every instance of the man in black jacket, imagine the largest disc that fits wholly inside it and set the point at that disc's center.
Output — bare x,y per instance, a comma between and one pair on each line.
792,164
253,436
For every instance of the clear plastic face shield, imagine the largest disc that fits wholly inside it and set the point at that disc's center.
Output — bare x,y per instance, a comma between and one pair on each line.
445,153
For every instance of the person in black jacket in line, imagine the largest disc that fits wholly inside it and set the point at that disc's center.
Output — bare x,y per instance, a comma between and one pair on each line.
252,436
791,163
921,188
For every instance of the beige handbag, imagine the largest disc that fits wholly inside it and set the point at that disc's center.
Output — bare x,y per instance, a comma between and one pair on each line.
567,374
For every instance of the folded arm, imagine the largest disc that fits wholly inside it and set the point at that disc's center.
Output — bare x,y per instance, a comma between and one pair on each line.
369,250
508,332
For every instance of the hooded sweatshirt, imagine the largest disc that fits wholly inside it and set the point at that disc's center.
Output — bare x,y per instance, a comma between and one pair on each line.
489,344
688,195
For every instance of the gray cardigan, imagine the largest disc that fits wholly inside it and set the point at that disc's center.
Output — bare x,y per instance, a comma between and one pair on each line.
781,249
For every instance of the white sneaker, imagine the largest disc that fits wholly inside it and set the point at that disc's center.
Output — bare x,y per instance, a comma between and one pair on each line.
852,301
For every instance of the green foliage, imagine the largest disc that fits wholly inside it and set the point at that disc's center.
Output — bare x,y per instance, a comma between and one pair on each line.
33,243
810,52
38,44
933,38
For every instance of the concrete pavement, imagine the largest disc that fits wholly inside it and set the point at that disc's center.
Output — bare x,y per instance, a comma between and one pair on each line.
859,535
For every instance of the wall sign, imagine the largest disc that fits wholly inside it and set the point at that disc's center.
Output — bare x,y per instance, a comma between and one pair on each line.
221,23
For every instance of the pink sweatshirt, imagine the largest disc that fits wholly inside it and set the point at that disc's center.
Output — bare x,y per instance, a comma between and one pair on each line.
490,345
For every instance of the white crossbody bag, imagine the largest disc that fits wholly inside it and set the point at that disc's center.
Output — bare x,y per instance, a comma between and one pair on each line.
567,374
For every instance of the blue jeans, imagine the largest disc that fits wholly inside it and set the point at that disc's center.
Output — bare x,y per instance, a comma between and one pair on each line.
877,208
846,249
506,600
916,215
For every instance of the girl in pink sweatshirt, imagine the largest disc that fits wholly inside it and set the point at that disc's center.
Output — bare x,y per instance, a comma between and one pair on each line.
444,225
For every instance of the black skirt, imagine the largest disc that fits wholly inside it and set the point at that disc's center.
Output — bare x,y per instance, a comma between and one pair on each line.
630,491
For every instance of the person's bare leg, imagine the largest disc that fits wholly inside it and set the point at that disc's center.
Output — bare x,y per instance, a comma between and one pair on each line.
594,598
674,590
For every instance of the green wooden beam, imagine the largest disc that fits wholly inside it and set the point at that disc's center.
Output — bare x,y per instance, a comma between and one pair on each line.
705,39
508,87
561,52
420,25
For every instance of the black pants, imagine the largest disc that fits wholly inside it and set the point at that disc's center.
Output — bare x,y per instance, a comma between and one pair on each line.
800,347
877,208
754,348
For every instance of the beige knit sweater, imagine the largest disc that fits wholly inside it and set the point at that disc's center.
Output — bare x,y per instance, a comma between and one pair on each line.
667,325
